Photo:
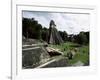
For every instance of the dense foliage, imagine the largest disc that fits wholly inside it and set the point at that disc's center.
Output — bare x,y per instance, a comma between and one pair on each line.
81,38
31,28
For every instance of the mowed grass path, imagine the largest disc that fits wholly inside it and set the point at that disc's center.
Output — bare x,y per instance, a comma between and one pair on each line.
82,53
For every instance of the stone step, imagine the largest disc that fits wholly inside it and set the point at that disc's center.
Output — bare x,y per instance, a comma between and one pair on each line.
34,45
26,49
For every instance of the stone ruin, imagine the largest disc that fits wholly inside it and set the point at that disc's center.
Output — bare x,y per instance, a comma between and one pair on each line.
54,36
36,54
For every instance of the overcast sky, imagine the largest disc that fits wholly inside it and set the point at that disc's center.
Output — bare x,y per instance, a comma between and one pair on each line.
72,23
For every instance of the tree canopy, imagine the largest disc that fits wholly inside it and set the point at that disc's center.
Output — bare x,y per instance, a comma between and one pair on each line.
31,28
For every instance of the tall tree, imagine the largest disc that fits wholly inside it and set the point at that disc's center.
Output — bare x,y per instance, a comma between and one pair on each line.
31,28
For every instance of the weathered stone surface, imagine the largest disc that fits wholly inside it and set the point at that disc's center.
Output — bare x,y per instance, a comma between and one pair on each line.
34,56
57,62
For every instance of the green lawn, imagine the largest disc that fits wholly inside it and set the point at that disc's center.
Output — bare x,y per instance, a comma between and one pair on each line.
82,53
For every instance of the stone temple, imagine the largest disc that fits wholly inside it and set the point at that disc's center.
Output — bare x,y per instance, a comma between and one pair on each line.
54,36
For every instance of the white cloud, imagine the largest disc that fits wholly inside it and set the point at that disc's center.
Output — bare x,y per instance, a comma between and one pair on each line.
71,23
